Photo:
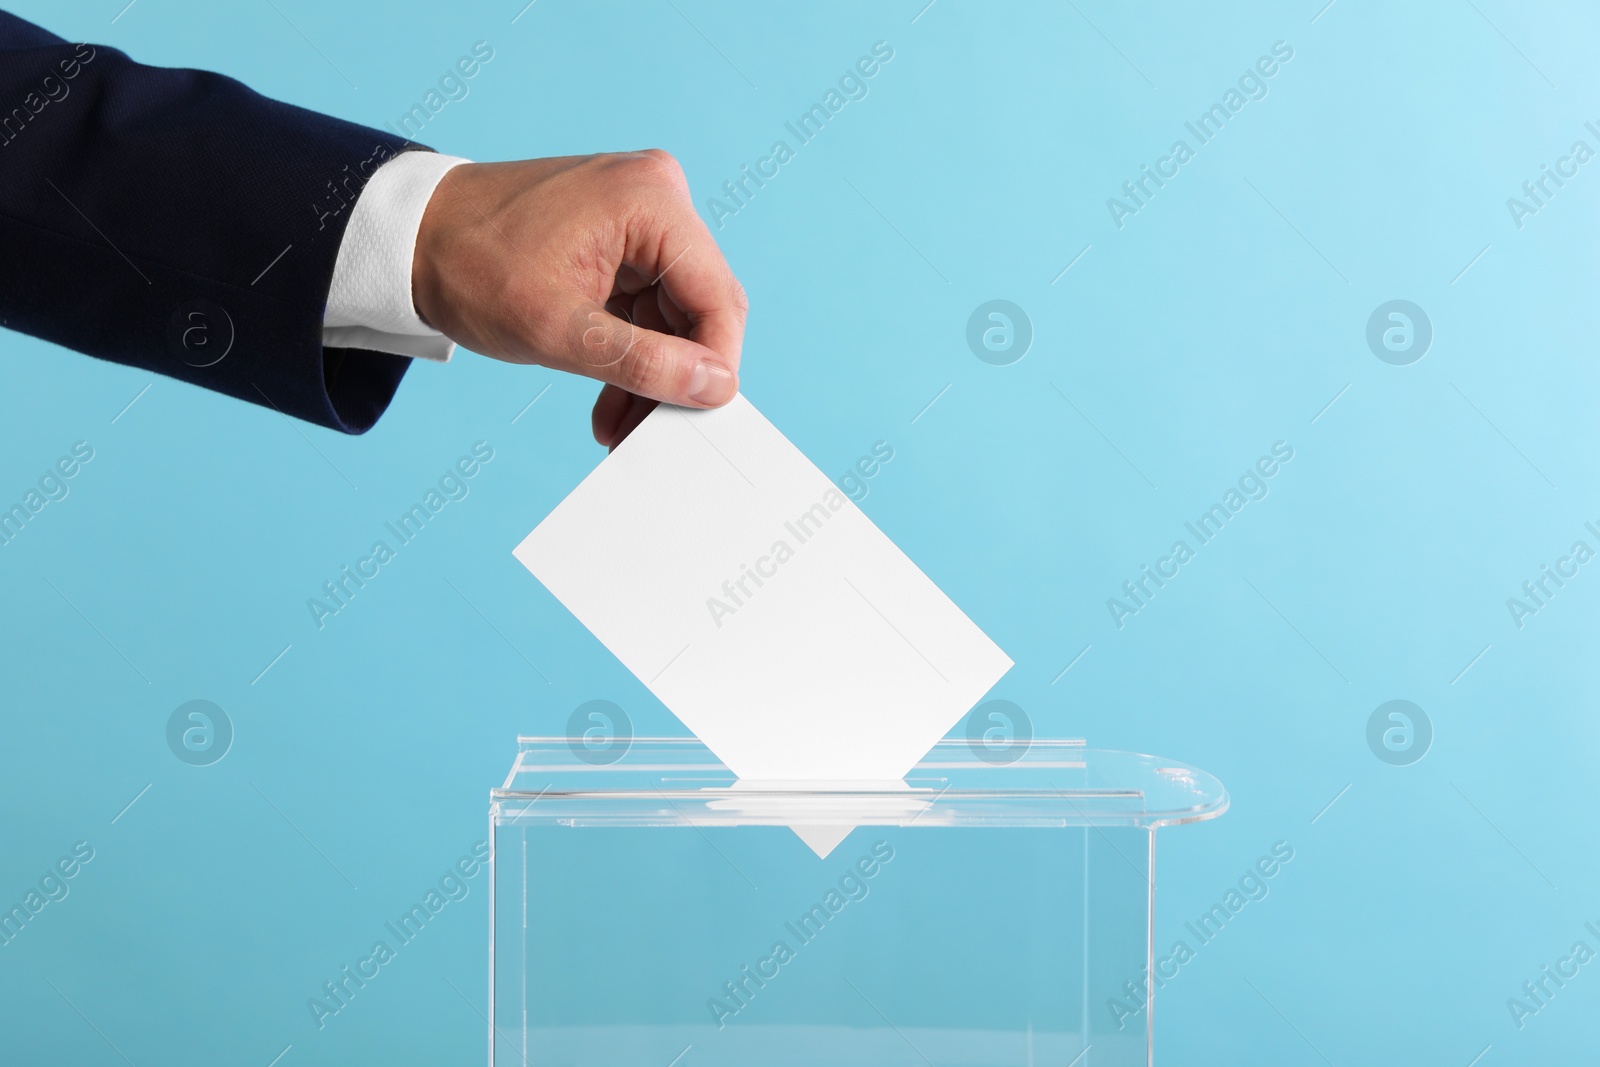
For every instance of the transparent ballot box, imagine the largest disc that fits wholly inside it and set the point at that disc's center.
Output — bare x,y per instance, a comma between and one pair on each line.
990,910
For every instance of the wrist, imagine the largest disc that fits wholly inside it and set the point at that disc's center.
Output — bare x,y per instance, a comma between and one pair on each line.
425,257
434,228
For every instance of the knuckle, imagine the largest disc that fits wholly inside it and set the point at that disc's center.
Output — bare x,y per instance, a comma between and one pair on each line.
647,368
661,165
661,157
595,339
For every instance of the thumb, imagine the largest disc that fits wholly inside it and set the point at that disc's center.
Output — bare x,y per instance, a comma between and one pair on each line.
676,370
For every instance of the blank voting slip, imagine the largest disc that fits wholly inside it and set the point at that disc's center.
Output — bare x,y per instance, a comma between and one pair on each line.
759,603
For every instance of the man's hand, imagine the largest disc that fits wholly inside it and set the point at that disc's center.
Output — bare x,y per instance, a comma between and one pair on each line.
597,265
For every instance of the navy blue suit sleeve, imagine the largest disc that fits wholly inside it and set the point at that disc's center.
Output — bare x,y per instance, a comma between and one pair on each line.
177,221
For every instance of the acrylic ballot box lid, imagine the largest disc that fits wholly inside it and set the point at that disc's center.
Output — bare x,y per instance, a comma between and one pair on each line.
663,781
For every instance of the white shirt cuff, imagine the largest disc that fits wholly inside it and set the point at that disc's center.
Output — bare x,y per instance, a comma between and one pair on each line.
369,302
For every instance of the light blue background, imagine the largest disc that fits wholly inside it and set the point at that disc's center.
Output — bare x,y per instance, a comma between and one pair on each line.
1222,318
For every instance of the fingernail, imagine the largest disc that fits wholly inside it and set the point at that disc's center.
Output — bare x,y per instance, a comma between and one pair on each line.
711,383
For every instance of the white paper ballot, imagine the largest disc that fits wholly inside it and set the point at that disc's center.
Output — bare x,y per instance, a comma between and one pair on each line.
760,604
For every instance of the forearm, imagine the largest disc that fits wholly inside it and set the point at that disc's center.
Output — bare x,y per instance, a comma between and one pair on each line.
161,218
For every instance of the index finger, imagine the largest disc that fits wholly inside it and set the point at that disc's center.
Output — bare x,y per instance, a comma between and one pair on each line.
678,253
